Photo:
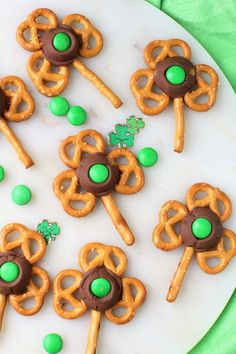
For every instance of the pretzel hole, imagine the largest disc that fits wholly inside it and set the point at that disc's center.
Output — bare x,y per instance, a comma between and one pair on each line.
200,195
66,305
13,236
22,107
77,204
220,206
132,179
178,50
171,213
205,76
115,259
142,81
28,303
90,140
119,311
156,89
38,64
50,83
133,290
149,102
42,20
202,99
65,185
165,237
156,52
227,243
213,262
92,43
70,151
92,255
27,35
121,160
77,25
67,282
10,87
37,280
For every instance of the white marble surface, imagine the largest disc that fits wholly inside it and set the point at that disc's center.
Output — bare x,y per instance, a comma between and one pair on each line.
159,327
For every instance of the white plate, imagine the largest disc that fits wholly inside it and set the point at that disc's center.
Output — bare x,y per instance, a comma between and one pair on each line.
159,327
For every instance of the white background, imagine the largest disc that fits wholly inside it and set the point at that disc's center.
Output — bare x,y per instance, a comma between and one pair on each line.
209,156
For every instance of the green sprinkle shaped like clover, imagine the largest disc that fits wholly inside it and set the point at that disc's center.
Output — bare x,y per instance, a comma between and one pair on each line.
134,124
49,230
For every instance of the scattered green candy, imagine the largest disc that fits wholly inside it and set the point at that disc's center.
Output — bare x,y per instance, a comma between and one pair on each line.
100,287
59,106
9,271
21,194
52,343
201,228
76,115
2,173
175,74
147,157
98,173
61,42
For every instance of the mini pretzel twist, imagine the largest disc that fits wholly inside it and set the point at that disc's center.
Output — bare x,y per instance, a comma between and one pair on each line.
81,146
212,199
104,257
167,50
16,98
129,302
32,23
127,170
71,194
23,241
44,75
223,254
37,293
144,93
64,295
166,225
87,32
203,88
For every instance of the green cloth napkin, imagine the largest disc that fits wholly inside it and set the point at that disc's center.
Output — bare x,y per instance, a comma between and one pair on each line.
212,23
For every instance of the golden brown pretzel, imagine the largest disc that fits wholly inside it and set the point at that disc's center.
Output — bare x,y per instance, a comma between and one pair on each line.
62,295
212,199
71,195
33,291
204,88
35,27
81,146
166,225
102,258
23,241
222,253
131,168
16,98
167,50
43,75
87,32
128,301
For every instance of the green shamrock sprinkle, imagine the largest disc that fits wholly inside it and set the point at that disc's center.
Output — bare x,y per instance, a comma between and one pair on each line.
49,230
134,124
121,136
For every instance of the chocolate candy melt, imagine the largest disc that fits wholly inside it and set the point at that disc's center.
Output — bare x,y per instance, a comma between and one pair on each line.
85,181
175,90
106,302
58,57
19,285
204,244
3,101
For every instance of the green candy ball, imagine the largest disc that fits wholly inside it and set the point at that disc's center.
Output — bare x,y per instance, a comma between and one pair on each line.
201,228
52,343
77,115
59,106
61,42
21,194
98,173
9,271
100,287
2,173
147,157
175,74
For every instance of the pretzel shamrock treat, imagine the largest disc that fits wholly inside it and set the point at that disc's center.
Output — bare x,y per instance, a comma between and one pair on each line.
18,272
16,105
171,76
59,45
99,174
200,230
101,288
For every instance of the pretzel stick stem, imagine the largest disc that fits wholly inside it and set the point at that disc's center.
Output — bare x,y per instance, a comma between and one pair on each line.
98,83
180,274
180,125
93,332
3,302
117,219
12,138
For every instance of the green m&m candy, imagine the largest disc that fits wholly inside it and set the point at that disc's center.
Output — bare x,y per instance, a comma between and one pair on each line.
61,42
21,194
59,106
2,173
98,173
175,75
77,115
100,287
201,228
147,157
9,272
52,343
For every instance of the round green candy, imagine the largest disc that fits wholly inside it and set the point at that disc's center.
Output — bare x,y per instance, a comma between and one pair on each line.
147,157
76,115
100,287
175,75
61,42
21,194
2,173
201,228
9,271
52,343
98,173
59,106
